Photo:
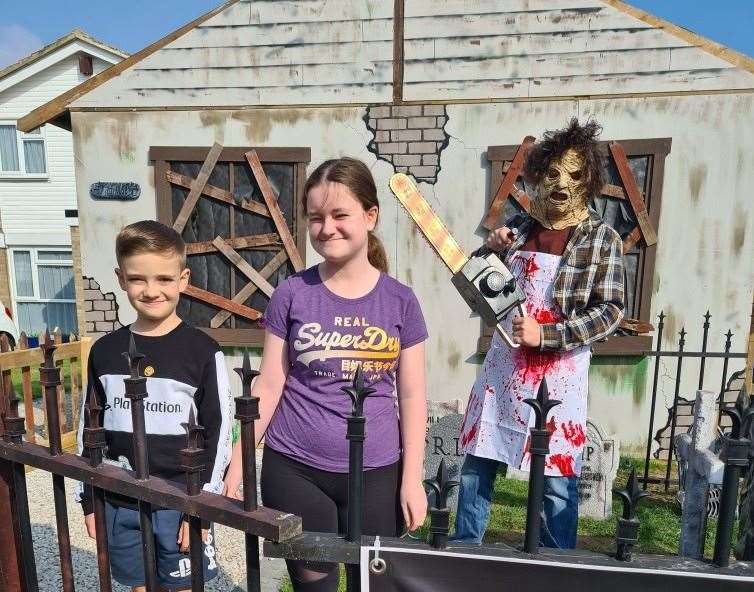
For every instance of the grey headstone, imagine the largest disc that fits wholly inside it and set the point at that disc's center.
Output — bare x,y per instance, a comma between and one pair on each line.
700,467
601,457
442,442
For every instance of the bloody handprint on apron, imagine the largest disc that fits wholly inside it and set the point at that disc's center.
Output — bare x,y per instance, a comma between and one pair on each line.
497,421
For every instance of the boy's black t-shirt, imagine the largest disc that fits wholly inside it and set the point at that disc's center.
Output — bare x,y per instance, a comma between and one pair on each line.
184,368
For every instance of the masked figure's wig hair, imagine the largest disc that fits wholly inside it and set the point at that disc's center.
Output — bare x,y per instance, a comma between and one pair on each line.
583,139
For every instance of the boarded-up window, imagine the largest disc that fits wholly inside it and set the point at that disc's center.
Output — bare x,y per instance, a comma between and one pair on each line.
232,209
646,159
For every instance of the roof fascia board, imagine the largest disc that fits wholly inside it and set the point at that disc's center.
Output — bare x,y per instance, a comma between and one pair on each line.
53,58
53,109
739,60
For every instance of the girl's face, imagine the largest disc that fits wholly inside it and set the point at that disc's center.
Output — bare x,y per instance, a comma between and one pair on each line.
338,223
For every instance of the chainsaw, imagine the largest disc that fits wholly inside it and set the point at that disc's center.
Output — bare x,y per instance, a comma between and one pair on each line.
483,280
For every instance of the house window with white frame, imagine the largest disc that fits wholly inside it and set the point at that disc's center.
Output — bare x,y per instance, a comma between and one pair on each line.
22,154
43,291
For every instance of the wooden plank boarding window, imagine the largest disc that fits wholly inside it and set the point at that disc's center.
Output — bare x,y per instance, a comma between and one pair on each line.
646,160
237,250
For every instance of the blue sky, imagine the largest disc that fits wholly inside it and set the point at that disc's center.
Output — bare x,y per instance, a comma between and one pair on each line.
27,26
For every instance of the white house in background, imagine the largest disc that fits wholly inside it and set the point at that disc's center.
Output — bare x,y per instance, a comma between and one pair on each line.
37,183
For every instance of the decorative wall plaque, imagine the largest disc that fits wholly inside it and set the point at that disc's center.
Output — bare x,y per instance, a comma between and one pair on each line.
111,190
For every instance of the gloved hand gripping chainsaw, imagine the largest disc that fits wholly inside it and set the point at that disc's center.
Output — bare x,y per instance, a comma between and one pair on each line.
483,280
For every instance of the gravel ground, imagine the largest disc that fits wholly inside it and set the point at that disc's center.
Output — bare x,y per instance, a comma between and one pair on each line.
229,542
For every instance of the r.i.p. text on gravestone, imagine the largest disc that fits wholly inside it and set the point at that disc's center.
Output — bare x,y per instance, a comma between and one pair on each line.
442,442
598,471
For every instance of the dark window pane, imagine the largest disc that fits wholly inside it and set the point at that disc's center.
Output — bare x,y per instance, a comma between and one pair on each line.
212,218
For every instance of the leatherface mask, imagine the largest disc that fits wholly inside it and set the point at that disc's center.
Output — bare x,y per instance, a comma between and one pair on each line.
562,200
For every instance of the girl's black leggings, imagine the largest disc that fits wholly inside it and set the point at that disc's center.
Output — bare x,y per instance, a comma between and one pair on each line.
321,499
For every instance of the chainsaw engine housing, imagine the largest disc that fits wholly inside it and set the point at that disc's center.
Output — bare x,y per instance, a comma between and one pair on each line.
489,288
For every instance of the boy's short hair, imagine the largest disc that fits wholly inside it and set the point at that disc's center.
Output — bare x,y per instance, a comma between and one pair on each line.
149,236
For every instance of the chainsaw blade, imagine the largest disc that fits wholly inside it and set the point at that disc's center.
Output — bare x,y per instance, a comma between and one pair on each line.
433,229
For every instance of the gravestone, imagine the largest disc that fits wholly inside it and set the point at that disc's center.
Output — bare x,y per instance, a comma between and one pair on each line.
442,442
600,466
700,468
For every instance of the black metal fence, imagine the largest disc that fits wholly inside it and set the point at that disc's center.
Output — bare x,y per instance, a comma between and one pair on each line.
403,563
682,406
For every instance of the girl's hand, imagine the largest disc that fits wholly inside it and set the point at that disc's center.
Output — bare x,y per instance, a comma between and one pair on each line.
413,504
231,489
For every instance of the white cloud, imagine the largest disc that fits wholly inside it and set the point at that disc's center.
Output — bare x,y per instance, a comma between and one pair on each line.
16,42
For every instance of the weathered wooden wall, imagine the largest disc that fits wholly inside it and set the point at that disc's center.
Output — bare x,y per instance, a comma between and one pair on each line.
341,51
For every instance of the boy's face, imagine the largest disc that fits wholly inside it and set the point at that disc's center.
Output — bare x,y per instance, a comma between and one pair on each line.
153,283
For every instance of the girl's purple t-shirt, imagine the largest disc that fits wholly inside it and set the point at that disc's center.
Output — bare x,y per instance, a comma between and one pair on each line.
328,337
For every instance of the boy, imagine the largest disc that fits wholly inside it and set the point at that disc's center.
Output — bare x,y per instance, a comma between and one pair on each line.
185,369
570,265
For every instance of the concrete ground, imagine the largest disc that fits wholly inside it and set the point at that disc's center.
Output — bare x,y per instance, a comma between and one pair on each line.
229,542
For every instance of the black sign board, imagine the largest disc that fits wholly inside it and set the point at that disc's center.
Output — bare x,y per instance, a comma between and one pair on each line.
110,190
470,568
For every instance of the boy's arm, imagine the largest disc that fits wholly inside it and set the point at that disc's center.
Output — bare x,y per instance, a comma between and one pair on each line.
214,415
605,310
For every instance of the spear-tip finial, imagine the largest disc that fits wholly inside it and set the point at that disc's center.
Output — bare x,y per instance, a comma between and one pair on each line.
247,375
358,392
193,430
134,357
630,495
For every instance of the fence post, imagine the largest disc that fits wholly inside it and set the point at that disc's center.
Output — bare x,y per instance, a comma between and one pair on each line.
703,360
674,411
658,348
136,392
18,558
49,374
247,411
355,433
11,570
31,436
10,577
539,449
735,455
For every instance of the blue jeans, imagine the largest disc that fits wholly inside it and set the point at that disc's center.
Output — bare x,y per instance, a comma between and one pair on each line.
560,511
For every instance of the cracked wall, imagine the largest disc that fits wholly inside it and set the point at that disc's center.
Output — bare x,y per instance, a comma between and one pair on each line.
100,310
409,137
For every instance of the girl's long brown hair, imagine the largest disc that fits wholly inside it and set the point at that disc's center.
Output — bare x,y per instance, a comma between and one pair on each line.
357,177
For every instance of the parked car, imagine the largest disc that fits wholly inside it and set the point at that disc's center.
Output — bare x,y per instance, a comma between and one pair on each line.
7,326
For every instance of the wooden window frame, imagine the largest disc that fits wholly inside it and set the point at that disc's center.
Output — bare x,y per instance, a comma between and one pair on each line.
161,156
657,149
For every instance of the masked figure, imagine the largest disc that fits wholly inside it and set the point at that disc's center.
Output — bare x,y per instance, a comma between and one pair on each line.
569,264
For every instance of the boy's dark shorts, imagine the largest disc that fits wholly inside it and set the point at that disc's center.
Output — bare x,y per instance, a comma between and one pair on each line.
173,567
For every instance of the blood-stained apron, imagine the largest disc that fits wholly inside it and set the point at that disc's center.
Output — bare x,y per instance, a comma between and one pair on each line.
497,421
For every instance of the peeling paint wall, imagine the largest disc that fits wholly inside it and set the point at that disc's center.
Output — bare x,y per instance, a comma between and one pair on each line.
705,257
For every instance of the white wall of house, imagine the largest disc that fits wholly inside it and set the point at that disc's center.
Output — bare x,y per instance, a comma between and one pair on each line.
34,198
32,206
705,257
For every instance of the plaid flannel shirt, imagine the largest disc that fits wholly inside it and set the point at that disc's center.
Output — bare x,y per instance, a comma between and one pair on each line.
589,285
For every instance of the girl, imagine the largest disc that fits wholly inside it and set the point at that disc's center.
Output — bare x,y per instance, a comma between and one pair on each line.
320,324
